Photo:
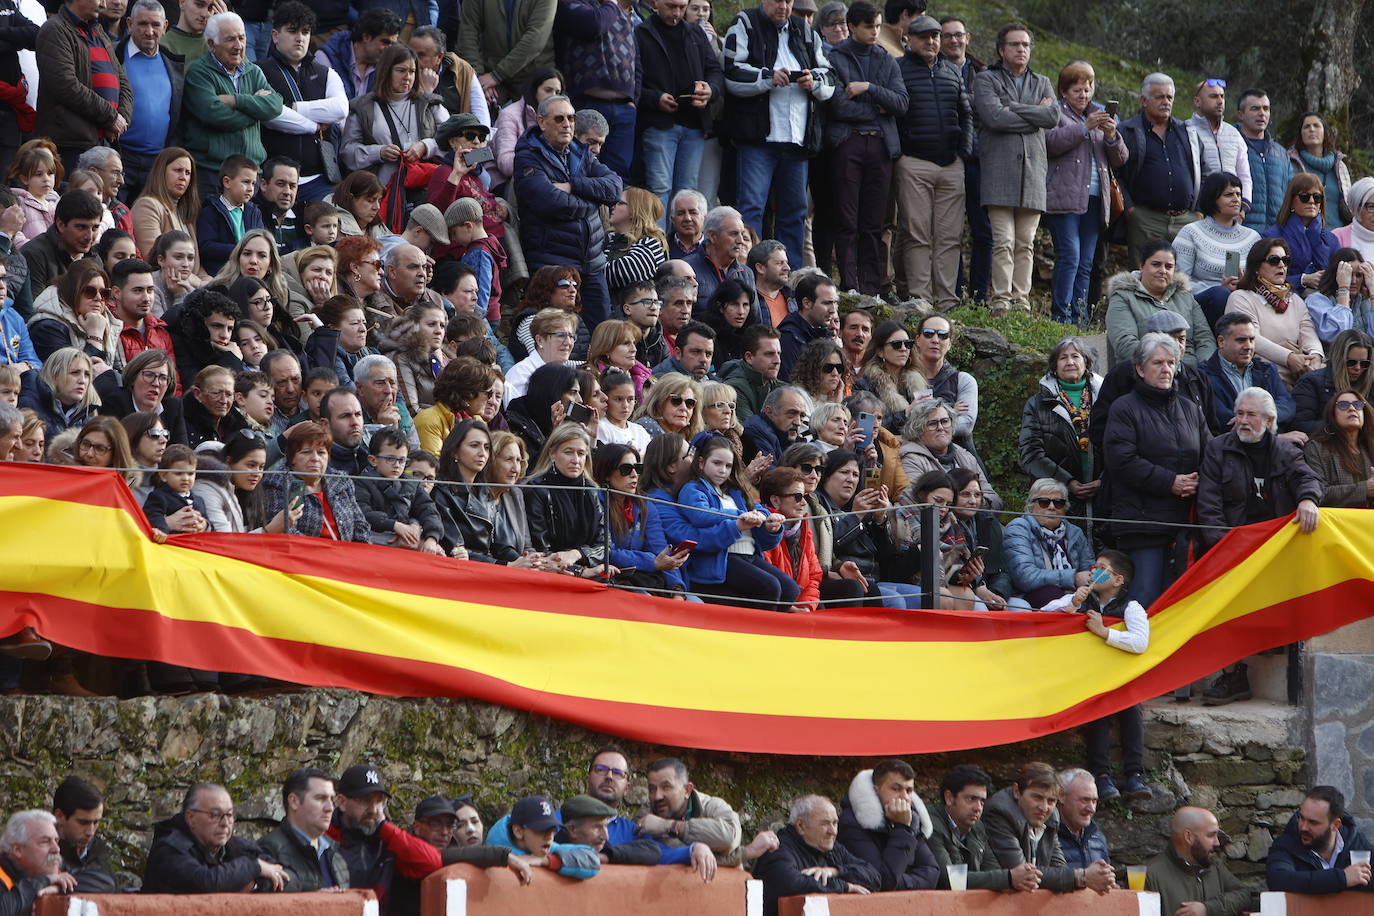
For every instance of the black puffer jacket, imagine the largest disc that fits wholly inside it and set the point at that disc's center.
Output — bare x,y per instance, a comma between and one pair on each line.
1226,478
1048,441
938,123
469,521
563,519
177,864
386,501
1311,394
1152,435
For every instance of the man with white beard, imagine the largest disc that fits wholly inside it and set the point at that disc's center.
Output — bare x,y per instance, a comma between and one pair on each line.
1252,475
31,862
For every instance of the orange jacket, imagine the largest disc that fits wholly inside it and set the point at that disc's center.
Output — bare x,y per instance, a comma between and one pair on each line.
808,572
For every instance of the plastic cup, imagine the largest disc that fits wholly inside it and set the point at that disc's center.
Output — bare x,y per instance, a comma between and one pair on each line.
1135,877
958,877
1359,855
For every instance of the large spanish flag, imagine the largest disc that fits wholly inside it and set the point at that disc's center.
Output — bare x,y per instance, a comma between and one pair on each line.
82,567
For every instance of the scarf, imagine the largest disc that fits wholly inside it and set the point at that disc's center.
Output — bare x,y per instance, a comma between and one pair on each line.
1276,296
1362,240
1079,414
1056,545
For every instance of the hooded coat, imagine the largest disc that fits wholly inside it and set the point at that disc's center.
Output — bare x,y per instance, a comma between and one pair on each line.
898,851
1130,308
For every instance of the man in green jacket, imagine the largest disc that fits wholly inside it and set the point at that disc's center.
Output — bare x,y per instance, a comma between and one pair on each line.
756,375
1189,878
226,100
958,837
506,42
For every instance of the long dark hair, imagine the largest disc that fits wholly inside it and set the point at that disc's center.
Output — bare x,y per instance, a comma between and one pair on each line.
448,455
605,460
547,386
661,451
1355,460
251,502
735,481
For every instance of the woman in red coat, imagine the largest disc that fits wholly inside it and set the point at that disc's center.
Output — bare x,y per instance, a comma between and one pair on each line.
783,491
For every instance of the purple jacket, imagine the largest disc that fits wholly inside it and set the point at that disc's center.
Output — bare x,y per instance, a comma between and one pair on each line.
1073,151
596,49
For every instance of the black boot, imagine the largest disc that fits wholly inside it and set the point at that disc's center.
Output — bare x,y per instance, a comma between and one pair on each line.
1232,684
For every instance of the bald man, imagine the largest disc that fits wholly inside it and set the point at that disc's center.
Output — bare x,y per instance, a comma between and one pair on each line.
1189,877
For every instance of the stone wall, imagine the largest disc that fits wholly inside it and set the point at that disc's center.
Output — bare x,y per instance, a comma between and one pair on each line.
144,752
1339,692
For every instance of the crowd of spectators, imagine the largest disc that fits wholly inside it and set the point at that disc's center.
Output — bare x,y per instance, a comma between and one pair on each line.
472,285
1039,832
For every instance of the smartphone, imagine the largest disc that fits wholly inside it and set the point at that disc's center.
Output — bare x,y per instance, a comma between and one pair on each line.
684,547
1112,107
1232,264
873,478
795,75
686,96
295,494
479,156
980,551
579,413
867,422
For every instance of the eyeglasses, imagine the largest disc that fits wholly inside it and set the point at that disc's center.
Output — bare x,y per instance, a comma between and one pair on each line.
96,292
901,344
440,823
1278,260
562,335
1349,405
427,478
473,136
954,35
932,333
646,303
1311,197
943,423
396,461
1357,364
600,769
626,469
678,400
809,468
1044,502
155,378
833,367
260,300
218,395
565,283
223,817
721,405
1215,83
86,445
158,434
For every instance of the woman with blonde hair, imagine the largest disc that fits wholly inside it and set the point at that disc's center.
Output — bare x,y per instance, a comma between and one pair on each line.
613,347
312,278
169,201
255,255
672,406
718,414
636,246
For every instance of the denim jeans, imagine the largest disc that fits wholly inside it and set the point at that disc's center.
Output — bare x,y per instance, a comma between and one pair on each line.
672,161
259,39
899,595
980,236
596,298
779,168
1075,246
619,149
318,188
1153,573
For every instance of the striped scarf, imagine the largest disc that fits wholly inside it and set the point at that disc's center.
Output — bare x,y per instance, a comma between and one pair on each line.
104,79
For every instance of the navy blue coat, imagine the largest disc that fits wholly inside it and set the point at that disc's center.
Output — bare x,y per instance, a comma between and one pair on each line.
557,227
164,501
1295,869
215,234
796,332
760,435
1263,374
1311,394
1080,853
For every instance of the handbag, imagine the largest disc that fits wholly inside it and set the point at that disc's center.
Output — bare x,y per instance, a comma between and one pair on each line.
395,208
1118,203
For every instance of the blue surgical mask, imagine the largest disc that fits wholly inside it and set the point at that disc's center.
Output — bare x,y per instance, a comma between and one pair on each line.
1100,577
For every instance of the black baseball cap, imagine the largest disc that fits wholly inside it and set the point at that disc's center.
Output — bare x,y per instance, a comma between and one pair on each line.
360,780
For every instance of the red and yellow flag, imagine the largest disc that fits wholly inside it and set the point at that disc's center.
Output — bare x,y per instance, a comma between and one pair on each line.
83,569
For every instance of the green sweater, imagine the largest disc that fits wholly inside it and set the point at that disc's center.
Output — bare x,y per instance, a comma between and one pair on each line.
212,129
190,48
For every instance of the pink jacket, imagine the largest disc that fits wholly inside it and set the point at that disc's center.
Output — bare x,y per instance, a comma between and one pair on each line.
38,214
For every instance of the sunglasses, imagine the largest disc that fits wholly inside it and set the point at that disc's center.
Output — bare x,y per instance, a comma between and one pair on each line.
932,333
158,434
678,400
809,468
626,469
1311,197
1349,405
1277,260
833,367
1044,502
96,292
901,344
1357,364
565,283
799,497
473,136
1215,83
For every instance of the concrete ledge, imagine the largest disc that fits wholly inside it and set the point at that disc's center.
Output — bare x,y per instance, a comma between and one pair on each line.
1350,903
619,890
344,903
966,903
